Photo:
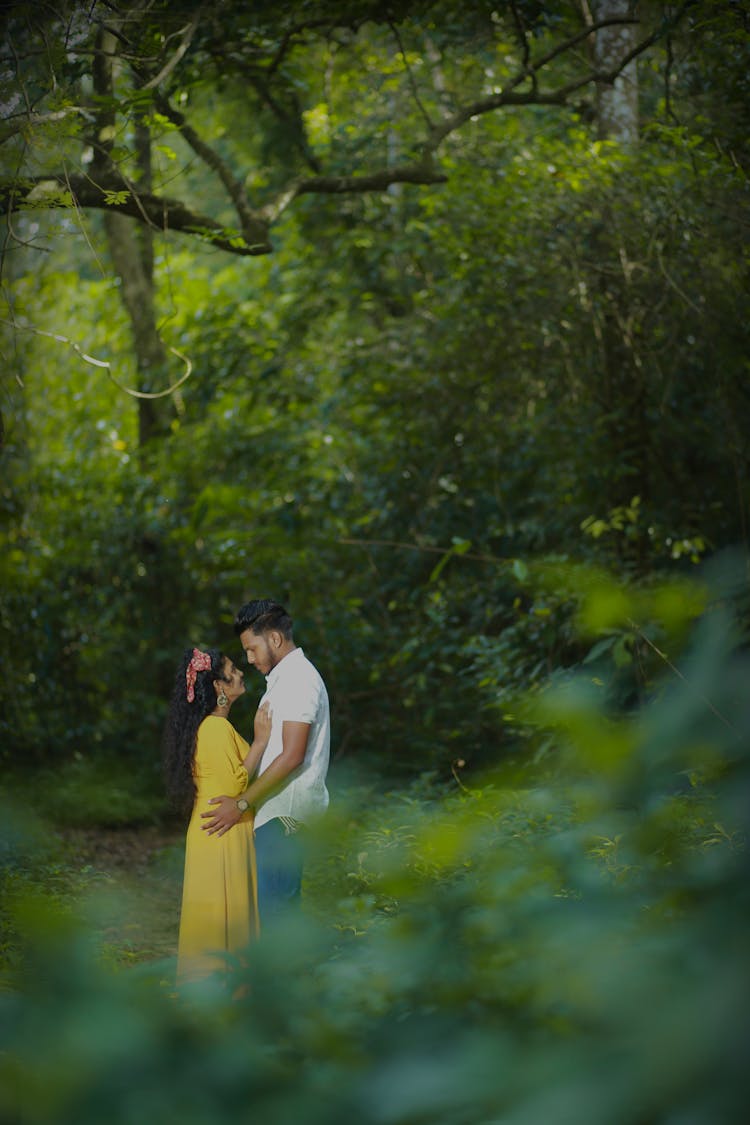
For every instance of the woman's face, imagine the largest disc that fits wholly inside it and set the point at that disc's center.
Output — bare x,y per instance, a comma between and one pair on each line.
234,681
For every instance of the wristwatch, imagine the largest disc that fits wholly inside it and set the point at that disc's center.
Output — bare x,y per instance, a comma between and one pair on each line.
242,804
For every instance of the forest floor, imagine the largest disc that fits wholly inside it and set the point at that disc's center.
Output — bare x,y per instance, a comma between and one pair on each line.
133,880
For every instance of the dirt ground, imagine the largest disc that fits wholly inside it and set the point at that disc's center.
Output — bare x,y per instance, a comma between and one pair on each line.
134,850
133,879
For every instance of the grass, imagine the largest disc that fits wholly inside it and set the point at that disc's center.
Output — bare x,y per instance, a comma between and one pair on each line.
74,854
91,841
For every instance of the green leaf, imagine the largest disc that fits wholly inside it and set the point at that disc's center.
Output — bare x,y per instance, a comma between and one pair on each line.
520,570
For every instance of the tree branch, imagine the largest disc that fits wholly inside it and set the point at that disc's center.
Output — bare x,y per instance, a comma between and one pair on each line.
253,229
420,172
500,560
21,121
295,126
108,189
172,62
409,75
703,698
523,40
287,38
114,193
509,97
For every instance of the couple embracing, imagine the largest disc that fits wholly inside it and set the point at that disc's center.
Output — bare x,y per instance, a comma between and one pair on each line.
250,801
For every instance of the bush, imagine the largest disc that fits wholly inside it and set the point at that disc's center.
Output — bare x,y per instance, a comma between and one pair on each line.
568,945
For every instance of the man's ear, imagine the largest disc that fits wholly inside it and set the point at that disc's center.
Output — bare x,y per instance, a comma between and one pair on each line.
277,638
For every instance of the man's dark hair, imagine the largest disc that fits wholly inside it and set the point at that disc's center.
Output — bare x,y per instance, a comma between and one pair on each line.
263,616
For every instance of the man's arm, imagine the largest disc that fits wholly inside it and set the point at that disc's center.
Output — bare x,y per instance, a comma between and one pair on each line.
294,743
261,734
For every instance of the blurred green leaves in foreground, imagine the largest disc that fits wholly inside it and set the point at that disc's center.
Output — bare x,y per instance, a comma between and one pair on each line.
562,943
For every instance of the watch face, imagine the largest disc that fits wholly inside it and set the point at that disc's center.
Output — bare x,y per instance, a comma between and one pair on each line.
242,805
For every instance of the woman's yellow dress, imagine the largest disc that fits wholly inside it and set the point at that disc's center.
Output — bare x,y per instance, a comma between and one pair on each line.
219,896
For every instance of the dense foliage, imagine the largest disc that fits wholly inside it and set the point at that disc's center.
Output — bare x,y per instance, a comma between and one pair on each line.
567,943
463,381
413,422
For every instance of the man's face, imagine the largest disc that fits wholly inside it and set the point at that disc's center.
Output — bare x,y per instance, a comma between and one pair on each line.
258,651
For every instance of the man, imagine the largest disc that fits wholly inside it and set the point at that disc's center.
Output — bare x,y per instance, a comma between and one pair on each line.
289,787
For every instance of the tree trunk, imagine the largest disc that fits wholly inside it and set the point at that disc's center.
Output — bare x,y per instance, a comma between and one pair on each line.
132,257
624,378
133,261
616,102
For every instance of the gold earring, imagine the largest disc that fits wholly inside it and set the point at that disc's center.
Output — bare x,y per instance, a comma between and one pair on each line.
221,699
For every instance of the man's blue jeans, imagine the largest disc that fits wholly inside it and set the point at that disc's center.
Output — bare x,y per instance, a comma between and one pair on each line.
278,856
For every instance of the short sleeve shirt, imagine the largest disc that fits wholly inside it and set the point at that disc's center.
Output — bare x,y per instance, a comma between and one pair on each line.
295,692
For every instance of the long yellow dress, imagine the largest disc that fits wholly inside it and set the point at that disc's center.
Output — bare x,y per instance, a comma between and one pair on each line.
219,895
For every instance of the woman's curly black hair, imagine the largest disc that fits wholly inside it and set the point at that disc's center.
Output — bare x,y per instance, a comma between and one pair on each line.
181,727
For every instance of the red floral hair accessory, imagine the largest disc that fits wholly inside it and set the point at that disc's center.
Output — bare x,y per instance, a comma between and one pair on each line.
199,662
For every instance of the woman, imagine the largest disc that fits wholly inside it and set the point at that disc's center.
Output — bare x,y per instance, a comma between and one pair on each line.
205,755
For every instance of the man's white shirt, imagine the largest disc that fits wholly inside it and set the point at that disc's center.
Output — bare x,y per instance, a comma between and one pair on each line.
295,692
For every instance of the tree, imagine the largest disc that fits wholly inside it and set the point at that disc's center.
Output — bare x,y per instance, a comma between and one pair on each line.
110,77
91,75
418,370
617,101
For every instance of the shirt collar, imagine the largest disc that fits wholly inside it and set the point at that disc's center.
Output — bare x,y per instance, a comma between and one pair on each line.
274,674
